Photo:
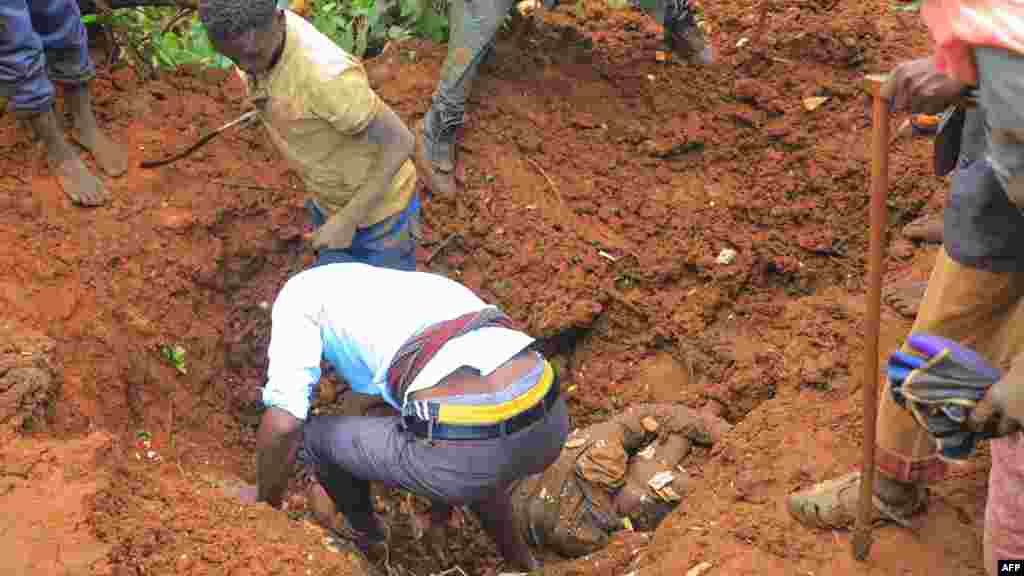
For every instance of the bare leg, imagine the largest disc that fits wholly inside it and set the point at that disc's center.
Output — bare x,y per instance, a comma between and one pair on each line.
496,516
74,178
110,157
437,536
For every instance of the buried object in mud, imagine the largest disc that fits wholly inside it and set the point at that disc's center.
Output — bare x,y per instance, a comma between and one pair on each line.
621,473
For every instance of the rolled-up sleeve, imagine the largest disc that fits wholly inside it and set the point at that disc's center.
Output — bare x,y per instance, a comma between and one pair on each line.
347,102
295,351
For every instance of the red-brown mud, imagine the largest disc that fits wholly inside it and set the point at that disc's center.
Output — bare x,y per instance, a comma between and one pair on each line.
599,186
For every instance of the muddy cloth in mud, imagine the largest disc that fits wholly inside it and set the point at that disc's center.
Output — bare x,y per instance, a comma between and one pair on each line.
40,41
363,320
474,24
316,103
625,468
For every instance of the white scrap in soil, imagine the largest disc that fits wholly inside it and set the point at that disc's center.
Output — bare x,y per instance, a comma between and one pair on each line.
526,7
813,103
726,256
661,479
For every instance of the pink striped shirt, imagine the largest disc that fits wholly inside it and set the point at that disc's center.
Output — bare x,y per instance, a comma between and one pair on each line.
957,25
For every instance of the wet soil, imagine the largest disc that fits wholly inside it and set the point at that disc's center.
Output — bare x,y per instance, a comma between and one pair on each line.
599,186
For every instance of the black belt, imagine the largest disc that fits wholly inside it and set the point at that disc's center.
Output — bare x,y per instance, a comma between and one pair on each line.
439,431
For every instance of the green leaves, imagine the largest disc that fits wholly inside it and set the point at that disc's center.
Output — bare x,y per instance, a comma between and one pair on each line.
161,40
365,26
914,6
176,356
143,30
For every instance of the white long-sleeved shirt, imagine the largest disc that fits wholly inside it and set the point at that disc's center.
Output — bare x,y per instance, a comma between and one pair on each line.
356,317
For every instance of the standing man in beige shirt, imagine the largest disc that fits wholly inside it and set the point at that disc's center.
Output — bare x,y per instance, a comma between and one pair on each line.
350,149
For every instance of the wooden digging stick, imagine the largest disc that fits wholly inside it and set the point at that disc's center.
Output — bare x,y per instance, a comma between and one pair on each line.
199,143
879,184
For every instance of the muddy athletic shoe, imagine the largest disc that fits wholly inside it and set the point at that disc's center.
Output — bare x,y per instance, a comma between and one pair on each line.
832,505
436,166
683,34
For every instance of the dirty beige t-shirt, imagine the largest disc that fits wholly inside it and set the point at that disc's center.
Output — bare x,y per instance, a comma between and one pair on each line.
319,104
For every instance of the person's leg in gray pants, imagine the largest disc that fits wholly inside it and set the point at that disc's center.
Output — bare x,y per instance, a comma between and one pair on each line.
474,24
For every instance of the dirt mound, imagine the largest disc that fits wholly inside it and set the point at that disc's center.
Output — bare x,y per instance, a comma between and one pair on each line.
600,187
158,521
29,379
45,487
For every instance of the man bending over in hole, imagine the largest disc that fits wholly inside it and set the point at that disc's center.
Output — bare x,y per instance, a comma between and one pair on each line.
477,408
474,25
348,146
42,40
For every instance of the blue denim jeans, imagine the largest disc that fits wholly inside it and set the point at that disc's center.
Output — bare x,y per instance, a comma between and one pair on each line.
390,243
40,41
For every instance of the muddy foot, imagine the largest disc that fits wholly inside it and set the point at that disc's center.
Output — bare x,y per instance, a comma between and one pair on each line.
78,183
110,157
905,297
927,228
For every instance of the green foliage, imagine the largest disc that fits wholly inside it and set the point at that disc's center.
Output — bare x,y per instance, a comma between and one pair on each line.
176,356
914,6
363,27
155,36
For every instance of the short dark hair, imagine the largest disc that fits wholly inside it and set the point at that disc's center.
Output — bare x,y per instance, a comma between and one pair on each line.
227,18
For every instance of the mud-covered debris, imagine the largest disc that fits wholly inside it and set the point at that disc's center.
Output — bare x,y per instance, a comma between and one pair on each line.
813,103
647,453
649,424
699,569
29,380
576,442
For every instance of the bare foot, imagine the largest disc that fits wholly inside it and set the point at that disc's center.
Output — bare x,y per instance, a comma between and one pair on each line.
75,179
78,183
927,228
905,297
110,157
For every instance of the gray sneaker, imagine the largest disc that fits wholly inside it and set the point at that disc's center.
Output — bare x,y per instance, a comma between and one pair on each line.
683,34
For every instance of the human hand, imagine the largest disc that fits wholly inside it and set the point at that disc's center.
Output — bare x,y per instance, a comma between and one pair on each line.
1001,411
247,493
918,86
335,234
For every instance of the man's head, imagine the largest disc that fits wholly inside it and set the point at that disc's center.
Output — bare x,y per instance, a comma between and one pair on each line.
246,31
